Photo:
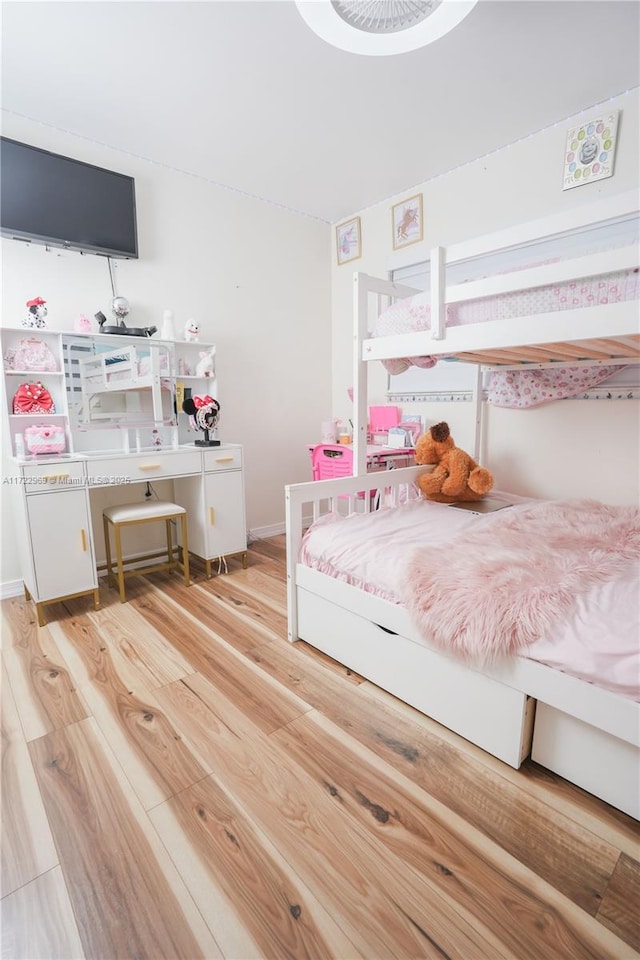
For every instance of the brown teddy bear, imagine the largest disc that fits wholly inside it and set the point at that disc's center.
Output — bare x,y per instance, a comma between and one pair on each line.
456,477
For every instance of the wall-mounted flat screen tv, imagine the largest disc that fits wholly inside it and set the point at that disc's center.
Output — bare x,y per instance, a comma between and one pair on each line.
54,200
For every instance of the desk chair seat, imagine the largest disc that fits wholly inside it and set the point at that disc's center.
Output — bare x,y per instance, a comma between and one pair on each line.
128,514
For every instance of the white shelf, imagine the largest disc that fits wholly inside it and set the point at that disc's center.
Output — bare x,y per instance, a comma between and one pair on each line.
34,374
37,416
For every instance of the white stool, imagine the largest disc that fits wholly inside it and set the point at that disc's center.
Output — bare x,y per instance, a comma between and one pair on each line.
128,514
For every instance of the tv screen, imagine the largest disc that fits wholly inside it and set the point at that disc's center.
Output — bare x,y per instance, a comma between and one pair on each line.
54,200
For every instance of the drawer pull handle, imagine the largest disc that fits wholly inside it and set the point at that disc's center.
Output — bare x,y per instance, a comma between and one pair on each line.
224,459
53,477
83,540
149,466
212,516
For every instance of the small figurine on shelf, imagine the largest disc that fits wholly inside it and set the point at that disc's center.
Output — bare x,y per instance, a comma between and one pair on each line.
36,313
156,439
191,331
167,329
82,324
206,364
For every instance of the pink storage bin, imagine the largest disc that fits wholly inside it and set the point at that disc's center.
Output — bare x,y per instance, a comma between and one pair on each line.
44,438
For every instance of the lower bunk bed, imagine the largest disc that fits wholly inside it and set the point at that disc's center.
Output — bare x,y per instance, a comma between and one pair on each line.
584,727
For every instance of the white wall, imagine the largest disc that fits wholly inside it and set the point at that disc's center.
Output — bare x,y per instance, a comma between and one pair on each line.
256,276
567,448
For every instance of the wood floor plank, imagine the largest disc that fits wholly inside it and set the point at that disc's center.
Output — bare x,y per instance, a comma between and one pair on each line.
241,594
616,829
55,936
473,873
45,695
154,755
246,684
600,818
244,888
135,904
26,842
273,548
570,857
405,917
145,649
237,626
623,892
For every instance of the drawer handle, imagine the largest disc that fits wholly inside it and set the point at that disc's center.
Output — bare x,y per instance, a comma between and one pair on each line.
53,477
149,466
224,459
83,540
212,516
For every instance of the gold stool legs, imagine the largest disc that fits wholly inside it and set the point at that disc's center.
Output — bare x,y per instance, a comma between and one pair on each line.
119,563
185,550
107,547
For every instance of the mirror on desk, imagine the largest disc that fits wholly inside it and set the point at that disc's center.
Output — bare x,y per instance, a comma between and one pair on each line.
118,383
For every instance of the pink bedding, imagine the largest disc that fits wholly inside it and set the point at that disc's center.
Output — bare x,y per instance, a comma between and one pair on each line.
520,388
597,641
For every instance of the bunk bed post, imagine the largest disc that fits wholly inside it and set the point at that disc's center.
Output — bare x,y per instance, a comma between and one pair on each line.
438,307
360,375
293,527
478,409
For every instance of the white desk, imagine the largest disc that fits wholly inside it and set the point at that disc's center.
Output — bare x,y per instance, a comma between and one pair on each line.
52,510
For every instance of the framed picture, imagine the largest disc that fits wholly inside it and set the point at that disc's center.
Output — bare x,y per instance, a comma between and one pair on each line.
590,151
348,240
406,220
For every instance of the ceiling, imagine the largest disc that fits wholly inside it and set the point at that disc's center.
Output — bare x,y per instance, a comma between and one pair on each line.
242,93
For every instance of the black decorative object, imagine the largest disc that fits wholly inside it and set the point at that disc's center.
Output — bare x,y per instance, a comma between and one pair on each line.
120,327
204,413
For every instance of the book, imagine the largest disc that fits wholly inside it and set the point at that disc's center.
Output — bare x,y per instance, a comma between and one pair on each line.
487,505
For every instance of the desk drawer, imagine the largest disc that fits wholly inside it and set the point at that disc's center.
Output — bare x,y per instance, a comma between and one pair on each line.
47,477
224,458
144,466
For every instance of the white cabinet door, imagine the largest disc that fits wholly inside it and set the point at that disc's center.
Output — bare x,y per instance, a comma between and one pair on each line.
225,522
59,527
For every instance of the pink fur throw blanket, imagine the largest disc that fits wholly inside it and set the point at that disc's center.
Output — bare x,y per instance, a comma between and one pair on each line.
498,586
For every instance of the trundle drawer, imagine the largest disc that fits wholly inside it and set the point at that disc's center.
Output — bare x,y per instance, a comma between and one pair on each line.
147,466
224,458
488,713
593,759
48,477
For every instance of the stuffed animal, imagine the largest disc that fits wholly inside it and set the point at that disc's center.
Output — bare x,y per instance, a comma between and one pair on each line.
36,313
191,331
456,477
206,364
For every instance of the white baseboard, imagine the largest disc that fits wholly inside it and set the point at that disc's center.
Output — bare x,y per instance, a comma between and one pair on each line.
261,533
11,588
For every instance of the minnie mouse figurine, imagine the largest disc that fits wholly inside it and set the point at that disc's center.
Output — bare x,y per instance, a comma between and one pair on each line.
37,313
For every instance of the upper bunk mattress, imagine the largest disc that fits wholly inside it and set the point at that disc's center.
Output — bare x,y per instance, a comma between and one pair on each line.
595,586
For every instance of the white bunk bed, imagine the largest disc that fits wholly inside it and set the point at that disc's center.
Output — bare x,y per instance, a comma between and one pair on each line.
515,706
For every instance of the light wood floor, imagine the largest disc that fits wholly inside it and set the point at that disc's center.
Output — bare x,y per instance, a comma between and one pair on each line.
180,782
